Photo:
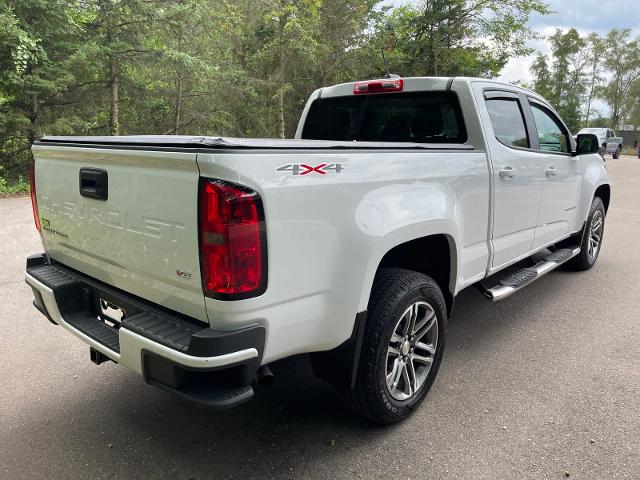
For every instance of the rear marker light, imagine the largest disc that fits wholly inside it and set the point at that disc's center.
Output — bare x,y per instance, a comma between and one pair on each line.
232,240
378,86
34,201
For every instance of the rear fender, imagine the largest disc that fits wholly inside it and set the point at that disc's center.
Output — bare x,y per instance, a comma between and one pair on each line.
396,214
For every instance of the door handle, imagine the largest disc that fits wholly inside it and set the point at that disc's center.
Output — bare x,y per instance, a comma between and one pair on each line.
550,172
94,183
508,172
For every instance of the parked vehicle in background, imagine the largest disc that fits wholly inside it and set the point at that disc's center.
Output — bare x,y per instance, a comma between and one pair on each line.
607,140
199,261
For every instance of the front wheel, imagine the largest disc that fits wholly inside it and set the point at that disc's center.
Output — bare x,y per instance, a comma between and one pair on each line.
591,238
402,347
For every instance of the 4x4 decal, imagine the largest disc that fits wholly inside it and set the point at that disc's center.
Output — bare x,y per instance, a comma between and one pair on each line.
299,169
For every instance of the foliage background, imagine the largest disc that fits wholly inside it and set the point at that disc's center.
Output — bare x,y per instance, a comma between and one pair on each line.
245,67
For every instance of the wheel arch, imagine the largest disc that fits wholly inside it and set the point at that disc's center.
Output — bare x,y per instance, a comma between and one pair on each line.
604,193
433,255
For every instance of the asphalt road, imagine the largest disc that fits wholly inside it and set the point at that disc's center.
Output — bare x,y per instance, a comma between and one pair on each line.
543,385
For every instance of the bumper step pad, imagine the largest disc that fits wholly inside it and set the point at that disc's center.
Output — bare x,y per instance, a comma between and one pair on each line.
509,283
96,329
168,332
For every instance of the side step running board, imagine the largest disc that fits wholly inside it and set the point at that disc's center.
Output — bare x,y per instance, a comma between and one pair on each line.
511,283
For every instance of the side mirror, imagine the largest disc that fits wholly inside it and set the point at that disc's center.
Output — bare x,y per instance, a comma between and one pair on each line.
587,143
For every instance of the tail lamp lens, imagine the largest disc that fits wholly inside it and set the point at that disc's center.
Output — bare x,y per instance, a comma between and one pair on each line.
232,243
34,201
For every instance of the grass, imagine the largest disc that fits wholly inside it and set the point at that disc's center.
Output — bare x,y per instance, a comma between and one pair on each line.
629,151
13,188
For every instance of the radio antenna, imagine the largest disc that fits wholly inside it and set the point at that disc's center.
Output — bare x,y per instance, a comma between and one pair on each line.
386,65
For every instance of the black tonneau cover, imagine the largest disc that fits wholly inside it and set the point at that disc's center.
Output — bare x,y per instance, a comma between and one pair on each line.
224,143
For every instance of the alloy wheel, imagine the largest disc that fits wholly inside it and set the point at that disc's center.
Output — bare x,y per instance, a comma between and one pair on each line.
411,350
595,234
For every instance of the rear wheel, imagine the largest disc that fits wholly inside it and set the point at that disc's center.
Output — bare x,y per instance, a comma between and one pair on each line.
591,238
402,347
616,154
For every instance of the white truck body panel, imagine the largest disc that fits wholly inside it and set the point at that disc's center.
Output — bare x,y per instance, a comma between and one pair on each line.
327,235
140,236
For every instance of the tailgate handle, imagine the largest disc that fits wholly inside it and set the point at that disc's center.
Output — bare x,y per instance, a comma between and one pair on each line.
94,183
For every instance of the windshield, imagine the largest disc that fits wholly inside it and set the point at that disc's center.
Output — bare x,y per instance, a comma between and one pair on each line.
423,117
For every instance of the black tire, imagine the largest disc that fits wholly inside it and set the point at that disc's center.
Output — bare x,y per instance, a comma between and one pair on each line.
394,291
584,260
616,154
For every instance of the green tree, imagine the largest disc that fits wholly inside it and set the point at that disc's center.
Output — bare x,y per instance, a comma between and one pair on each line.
568,75
563,81
35,41
595,54
460,37
293,46
115,47
622,61
185,32
542,77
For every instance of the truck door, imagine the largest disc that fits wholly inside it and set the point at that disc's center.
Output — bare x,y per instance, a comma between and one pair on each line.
562,173
517,178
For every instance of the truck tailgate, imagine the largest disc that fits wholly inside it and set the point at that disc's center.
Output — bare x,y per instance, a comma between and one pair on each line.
141,237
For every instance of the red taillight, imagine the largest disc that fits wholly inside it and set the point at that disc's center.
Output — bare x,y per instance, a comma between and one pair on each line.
378,86
34,201
232,245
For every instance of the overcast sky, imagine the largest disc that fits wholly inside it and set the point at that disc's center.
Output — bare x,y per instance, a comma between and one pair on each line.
586,16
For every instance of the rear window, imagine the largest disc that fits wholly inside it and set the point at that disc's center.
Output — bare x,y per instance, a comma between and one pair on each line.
423,117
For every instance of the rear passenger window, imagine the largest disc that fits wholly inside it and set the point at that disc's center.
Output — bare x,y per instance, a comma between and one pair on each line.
551,134
508,122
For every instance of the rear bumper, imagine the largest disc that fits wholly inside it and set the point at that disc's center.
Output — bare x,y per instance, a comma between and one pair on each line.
171,352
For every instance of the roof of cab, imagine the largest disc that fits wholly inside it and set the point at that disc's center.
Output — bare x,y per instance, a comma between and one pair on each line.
421,84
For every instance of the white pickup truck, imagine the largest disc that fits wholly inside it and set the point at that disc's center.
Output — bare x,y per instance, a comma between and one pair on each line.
607,139
198,261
